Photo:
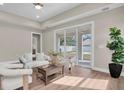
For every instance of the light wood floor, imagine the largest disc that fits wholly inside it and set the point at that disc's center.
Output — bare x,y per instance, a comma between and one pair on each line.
81,79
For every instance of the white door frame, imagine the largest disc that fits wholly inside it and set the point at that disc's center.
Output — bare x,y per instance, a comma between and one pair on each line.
40,40
92,23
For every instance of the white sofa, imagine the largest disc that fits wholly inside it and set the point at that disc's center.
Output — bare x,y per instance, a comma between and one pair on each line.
41,59
13,76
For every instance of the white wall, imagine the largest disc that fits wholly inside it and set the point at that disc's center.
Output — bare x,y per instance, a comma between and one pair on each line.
15,36
103,22
48,41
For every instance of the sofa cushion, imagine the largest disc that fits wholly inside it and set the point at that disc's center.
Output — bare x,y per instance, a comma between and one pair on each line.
28,57
22,60
40,57
35,64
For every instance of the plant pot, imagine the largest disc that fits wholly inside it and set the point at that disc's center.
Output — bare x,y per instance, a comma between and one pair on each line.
55,60
115,70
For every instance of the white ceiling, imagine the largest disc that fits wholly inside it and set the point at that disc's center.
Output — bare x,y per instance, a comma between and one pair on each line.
27,10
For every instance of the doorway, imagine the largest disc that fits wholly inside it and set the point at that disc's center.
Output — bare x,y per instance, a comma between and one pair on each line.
77,42
36,43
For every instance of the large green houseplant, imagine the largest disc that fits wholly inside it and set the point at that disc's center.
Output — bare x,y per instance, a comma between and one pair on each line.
116,45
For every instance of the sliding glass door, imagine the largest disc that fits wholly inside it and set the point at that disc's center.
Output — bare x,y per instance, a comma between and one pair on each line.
66,44
70,46
75,43
86,52
84,46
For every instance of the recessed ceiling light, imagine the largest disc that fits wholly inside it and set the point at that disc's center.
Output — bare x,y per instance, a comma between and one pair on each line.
1,3
38,5
37,16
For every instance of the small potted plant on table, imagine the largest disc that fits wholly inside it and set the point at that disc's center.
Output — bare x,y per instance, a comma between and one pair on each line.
116,45
54,57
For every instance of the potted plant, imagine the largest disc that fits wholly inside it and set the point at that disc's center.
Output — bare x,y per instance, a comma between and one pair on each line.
116,45
54,57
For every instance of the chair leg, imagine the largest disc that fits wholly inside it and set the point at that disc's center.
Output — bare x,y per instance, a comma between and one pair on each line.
70,68
25,82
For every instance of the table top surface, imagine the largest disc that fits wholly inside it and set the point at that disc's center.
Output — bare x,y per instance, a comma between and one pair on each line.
50,67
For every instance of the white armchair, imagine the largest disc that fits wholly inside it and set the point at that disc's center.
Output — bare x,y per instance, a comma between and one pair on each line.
69,62
12,76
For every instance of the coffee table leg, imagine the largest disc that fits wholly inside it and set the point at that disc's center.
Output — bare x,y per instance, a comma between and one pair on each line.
62,70
46,79
70,70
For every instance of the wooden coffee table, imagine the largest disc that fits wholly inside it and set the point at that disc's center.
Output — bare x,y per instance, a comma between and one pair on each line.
50,70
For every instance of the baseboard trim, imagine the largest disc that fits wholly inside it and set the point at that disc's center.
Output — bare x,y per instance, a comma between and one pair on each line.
104,70
84,66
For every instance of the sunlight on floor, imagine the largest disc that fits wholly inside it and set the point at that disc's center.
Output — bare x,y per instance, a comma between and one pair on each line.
99,83
69,80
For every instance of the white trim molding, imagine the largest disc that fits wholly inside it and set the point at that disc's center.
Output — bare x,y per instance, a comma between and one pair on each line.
104,70
75,26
